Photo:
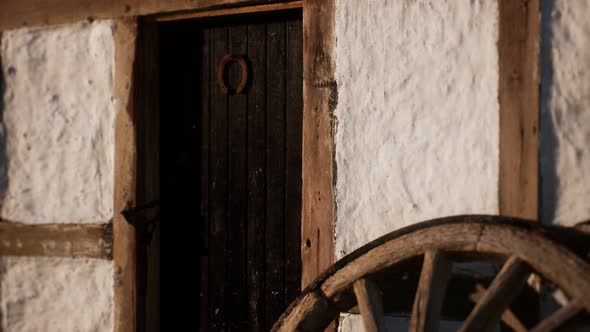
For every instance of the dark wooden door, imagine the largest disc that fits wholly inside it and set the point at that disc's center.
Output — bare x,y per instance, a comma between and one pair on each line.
236,165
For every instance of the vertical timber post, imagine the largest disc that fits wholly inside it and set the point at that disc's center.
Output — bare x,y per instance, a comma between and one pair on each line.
124,248
518,89
319,102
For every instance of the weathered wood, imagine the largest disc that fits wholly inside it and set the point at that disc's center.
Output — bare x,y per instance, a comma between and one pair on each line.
507,317
370,305
15,14
293,118
518,58
205,116
56,240
561,317
261,8
467,238
124,235
430,295
218,188
320,98
313,313
505,287
256,175
275,171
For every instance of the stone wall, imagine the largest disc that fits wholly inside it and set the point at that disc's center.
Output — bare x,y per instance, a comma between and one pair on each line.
56,166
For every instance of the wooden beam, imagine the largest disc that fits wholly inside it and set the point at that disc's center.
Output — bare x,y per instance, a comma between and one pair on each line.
518,89
56,240
231,11
21,13
124,236
319,101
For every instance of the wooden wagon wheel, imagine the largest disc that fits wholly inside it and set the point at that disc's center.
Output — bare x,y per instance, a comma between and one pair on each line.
522,247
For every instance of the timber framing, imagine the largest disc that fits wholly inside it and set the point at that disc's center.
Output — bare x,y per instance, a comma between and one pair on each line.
56,240
518,89
14,14
319,101
124,234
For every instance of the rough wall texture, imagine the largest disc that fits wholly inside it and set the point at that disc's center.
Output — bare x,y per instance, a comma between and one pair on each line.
417,133
58,119
565,112
56,166
56,294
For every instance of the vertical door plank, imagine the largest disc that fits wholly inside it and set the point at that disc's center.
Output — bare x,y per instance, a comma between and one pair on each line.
256,175
293,118
204,164
218,187
236,299
275,176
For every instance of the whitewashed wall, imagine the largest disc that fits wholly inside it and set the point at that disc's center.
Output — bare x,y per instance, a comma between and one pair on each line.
565,112
417,134
56,166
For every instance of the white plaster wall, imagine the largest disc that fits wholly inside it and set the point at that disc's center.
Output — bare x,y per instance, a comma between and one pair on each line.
417,133
565,112
352,322
59,124
56,294
57,166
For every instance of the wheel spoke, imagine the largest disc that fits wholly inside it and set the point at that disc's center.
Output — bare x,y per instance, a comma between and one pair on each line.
430,295
508,317
497,298
370,304
560,317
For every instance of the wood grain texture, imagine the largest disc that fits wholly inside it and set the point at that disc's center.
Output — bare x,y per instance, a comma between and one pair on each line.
56,240
256,176
293,118
505,287
518,52
257,8
124,235
21,13
560,318
370,305
237,295
430,295
320,98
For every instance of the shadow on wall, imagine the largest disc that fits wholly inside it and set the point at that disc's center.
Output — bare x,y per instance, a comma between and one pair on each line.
549,184
3,158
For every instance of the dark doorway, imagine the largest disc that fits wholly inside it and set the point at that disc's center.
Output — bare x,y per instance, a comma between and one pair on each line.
230,171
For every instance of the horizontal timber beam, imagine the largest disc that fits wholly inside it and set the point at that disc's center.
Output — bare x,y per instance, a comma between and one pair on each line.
56,240
232,11
14,14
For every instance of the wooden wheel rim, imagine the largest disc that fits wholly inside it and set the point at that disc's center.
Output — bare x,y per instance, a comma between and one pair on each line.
484,236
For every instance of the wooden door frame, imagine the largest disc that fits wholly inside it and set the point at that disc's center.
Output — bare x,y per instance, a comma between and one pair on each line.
319,102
